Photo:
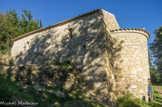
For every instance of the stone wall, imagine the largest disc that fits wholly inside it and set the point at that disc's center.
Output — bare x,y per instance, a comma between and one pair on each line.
110,63
110,20
47,76
131,69
80,41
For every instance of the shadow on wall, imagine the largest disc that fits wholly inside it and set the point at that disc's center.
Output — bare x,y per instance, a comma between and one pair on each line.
46,76
114,48
86,48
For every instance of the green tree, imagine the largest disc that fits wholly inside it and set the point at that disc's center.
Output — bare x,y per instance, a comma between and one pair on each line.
11,26
28,24
5,33
155,77
12,18
156,51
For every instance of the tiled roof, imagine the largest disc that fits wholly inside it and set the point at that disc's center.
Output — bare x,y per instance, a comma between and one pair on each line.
131,29
69,20
57,24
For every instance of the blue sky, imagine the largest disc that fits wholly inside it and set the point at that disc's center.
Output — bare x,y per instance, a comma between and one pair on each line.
129,13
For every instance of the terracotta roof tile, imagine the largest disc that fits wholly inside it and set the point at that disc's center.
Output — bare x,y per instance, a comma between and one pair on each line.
57,24
131,29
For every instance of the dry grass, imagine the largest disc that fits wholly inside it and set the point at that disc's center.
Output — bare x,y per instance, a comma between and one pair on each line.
157,95
158,88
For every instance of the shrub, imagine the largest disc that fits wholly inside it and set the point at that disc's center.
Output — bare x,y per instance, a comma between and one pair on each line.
5,94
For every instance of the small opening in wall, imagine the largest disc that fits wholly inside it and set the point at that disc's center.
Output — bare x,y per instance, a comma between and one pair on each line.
56,45
84,46
70,32
92,24
43,35
27,42
39,54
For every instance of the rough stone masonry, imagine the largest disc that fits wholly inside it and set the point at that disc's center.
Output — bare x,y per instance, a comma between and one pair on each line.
112,61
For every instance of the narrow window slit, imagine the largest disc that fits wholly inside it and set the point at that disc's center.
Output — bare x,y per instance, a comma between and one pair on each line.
84,46
70,33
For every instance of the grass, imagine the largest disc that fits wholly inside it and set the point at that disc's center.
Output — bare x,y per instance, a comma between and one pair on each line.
74,98
127,101
157,88
63,64
9,91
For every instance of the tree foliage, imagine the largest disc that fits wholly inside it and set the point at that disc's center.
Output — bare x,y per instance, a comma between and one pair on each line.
11,26
156,52
156,48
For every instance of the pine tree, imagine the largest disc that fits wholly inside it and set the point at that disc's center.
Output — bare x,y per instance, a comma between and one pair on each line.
12,26
156,50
